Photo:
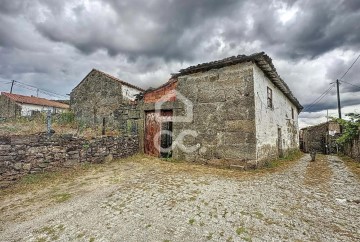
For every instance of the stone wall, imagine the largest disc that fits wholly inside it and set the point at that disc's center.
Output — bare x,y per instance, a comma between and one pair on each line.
353,149
223,116
314,138
317,137
97,97
20,155
8,108
128,119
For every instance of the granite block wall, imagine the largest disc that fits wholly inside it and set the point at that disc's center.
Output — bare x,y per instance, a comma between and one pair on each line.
21,155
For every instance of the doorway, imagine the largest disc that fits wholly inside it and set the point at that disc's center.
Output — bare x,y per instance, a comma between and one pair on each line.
158,130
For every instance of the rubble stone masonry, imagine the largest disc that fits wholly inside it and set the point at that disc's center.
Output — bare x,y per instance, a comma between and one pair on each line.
21,155
224,116
98,96
9,108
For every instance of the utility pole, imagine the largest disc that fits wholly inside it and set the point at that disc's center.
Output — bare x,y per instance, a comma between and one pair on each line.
338,97
37,92
12,85
327,115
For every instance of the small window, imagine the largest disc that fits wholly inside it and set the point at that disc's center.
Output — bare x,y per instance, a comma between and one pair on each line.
269,98
292,113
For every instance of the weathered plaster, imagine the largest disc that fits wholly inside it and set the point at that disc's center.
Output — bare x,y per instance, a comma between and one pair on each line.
26,109
268,120
129,92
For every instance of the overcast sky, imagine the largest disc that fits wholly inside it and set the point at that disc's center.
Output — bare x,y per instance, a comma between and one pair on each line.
53,44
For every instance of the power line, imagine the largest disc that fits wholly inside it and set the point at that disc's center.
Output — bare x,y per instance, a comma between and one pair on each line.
317,100
43,90
338,88
37,89
350,84
350,67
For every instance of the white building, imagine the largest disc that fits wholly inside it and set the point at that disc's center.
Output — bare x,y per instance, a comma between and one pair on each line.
14,105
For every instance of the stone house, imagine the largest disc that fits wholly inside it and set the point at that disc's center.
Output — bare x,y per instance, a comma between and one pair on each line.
234,112
321,137
15,105
99,95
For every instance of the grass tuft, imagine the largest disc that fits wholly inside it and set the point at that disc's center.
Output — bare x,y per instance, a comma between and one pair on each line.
352,164
240,230
62,197
291,156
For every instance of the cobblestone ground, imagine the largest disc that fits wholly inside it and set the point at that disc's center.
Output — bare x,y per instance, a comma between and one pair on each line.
153,200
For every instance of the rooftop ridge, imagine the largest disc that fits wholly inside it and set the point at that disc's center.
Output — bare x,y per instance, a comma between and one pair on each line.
112,78
34,100
261,59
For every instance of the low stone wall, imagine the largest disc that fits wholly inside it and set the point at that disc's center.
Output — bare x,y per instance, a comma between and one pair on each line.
353,149
20,155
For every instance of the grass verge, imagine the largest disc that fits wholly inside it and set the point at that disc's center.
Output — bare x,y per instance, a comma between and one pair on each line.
352,164
283,162
45,179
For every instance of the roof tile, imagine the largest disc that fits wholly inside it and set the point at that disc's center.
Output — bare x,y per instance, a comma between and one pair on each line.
34,100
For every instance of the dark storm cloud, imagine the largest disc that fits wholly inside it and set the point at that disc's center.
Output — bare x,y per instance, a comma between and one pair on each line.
54,44
332,104
351,80
12,7
317,27
176,30
167,29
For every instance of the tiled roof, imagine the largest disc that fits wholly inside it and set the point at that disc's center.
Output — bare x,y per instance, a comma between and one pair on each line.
34,100
262,60
112,78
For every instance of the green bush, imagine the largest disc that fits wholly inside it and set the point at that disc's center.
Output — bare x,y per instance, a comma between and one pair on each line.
65,118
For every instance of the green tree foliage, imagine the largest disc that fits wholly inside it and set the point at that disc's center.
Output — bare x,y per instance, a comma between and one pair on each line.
65,118
350,128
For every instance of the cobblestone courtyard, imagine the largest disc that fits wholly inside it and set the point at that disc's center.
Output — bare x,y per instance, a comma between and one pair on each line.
147,199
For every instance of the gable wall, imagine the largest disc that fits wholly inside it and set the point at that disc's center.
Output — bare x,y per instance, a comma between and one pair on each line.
223,116
268,120
95,98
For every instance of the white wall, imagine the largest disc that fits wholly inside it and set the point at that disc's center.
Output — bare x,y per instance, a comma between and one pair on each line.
268,120
27,108
129,92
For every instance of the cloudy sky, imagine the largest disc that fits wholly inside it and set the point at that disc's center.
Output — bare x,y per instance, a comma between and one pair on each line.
53,44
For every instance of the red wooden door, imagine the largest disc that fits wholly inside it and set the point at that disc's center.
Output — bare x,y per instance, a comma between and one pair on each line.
153,129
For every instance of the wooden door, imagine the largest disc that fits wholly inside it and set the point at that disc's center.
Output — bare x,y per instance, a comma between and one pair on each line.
152,129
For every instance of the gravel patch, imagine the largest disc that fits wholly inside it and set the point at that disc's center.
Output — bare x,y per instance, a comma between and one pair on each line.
157,201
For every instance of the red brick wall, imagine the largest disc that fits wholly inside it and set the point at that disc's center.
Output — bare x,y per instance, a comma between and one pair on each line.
154,96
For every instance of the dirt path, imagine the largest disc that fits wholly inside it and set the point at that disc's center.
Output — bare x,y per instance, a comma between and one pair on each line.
153,200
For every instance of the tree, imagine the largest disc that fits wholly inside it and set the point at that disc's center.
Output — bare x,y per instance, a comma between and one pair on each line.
350,128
